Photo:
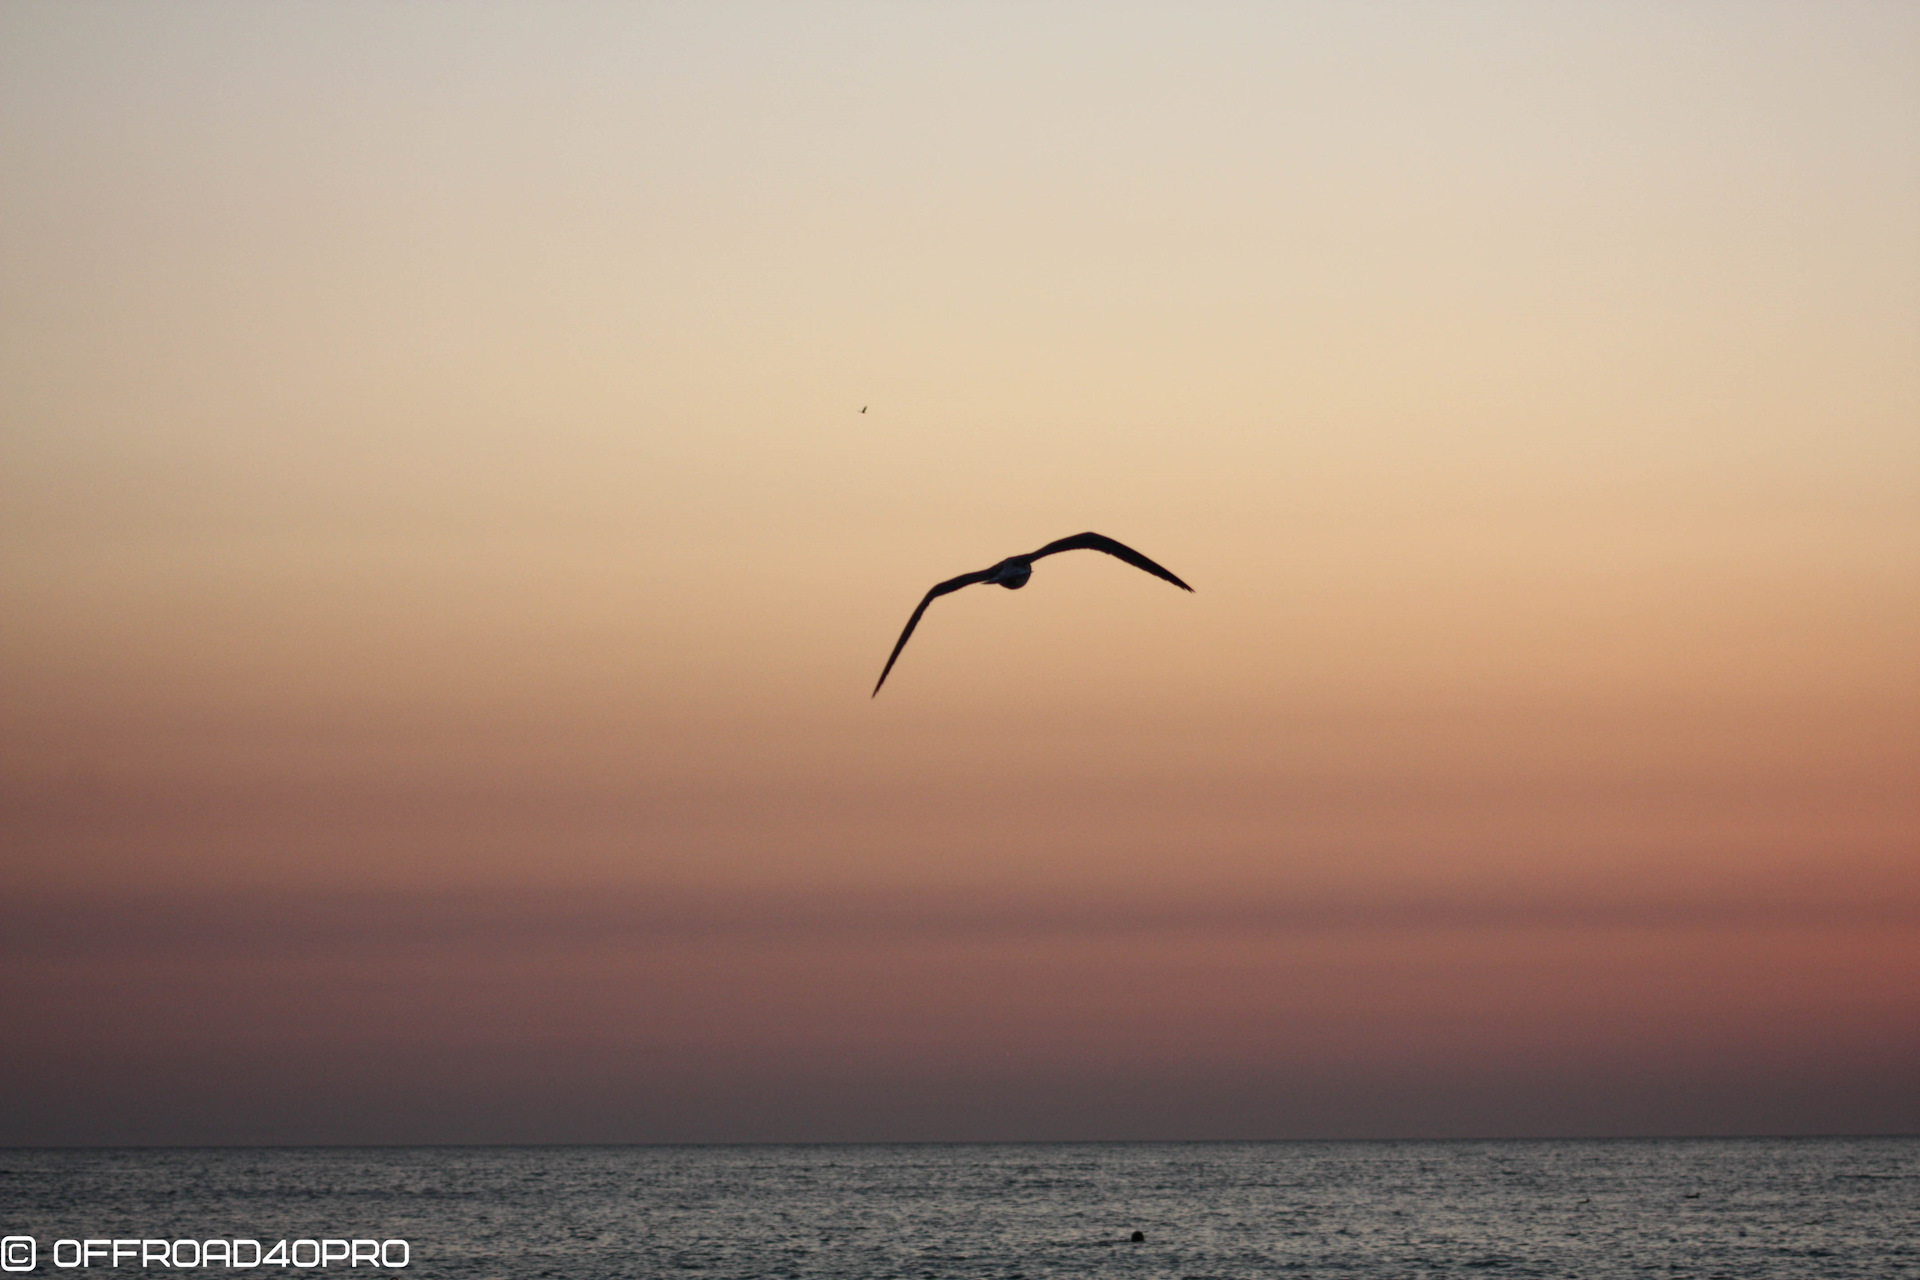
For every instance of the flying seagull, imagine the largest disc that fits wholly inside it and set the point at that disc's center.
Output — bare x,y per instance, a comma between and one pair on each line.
1013,572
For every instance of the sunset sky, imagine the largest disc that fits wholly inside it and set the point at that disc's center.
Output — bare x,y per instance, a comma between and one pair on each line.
443,566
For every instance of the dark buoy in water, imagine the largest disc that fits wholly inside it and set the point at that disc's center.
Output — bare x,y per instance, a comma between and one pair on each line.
1139,1237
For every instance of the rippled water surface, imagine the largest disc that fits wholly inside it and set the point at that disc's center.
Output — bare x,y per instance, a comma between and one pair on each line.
1801,1208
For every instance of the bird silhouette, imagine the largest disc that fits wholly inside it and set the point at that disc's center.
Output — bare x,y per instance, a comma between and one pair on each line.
1013,572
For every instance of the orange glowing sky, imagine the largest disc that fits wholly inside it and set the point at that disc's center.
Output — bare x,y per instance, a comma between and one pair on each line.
444,564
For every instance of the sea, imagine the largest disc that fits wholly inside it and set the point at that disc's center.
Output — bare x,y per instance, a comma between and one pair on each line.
1795,1208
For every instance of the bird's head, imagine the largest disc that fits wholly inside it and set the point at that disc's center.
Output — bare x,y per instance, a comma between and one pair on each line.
1011,574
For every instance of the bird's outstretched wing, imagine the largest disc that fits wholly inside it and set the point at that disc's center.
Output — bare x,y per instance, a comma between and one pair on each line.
1120,551
951,584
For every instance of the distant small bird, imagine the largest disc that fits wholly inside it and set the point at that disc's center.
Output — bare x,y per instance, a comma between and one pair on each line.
863,408
1013,572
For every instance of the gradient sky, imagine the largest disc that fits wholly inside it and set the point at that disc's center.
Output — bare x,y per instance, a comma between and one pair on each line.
443,564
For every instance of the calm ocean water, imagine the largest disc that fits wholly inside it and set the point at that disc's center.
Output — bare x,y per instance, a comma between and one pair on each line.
1800,1208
